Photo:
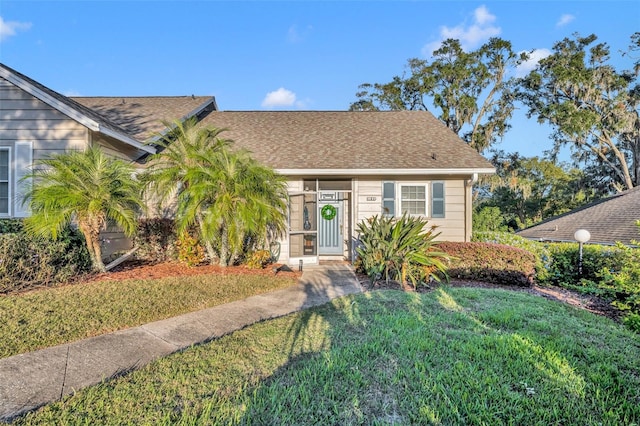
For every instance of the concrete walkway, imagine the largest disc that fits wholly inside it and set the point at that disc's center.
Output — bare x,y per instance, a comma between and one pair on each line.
30,380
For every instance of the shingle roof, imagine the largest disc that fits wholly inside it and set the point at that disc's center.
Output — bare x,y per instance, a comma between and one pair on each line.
348,140
142,117
608,220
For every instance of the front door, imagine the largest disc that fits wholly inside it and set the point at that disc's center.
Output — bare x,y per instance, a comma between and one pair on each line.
330,240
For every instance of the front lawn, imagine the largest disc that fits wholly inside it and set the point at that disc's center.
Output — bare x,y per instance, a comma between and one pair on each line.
454,356
54,316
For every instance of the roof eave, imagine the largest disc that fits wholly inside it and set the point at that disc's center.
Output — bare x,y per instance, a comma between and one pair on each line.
376,172
70,112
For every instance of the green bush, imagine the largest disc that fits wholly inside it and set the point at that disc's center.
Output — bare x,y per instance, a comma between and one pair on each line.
488,262
402,249
11,226
258,259
29,262
156,240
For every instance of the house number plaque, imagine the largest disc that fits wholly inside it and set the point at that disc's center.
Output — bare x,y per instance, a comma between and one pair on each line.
372,198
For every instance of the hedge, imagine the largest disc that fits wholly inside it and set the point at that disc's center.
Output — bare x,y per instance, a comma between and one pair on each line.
488,262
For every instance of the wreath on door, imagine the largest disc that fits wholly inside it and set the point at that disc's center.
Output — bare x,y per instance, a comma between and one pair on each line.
328,212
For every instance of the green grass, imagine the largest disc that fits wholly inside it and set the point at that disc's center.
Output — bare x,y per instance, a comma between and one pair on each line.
53,316
451,357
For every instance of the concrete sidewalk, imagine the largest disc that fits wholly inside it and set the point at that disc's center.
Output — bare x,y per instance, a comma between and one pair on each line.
30,380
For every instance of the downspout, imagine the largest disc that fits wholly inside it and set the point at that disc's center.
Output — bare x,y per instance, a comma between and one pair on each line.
468,206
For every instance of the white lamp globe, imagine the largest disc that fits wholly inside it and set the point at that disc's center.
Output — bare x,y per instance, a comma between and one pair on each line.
582,235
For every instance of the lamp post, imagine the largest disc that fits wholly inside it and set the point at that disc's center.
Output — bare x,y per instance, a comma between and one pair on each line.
581,236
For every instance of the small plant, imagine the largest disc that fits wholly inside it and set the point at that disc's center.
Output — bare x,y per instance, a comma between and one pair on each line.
156,240
259,259
402,249
190,251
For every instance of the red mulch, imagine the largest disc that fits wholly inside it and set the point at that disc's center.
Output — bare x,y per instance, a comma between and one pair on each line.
142,270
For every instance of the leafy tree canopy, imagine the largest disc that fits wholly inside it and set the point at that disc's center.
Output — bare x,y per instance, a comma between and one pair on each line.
592,107
471,90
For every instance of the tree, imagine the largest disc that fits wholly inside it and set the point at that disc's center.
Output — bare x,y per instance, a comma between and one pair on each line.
181,148
530,189
87,188
235,203
470,89
592,107
240,203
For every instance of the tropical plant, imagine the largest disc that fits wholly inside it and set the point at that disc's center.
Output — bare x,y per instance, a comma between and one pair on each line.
86,188
399,248
239,203
182,148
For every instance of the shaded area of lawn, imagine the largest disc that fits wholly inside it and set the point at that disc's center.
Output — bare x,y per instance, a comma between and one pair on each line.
49,317
453,356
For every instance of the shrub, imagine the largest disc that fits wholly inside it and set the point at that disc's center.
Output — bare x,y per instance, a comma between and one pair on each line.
156,240
259,259
399,248
488,262
11,226
28,262
189,249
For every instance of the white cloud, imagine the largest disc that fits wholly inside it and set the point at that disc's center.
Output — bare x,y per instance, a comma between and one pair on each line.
294,35
534,57
10,28
471,36
564,20
72,93
281,98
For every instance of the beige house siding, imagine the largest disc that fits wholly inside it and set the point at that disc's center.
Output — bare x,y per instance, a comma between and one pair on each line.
368,196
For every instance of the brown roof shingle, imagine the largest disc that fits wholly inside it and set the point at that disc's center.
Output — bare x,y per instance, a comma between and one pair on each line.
142,117
347,140
609,220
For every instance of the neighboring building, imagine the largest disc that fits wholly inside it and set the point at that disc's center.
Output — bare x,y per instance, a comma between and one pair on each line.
609,220
349,165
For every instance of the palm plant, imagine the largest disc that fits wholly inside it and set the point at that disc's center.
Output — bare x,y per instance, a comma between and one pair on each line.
182,148
240,203
87,188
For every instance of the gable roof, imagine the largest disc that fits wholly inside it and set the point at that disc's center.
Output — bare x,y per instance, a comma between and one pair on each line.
350,142
609,220
132,123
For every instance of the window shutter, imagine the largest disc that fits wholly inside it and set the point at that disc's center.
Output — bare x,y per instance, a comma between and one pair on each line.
388,199
23,163
437,199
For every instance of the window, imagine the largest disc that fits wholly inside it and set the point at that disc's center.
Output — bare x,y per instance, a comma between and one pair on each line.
388,199
437,199
4,181
413,199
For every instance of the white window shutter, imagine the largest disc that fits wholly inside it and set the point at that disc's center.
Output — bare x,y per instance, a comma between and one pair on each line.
23,164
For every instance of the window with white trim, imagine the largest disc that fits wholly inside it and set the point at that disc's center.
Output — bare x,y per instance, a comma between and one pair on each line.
388,199
5,196
437,199
413,199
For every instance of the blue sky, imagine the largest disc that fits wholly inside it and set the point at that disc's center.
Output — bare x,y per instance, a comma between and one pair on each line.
266,55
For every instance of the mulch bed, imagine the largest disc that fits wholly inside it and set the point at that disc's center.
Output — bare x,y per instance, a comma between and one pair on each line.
136,269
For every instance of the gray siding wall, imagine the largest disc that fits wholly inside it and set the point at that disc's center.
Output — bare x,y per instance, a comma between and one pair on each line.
26,118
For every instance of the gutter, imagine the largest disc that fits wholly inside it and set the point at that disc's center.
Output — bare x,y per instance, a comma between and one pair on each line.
377,172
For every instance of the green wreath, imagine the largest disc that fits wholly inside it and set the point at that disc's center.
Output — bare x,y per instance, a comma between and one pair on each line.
328,212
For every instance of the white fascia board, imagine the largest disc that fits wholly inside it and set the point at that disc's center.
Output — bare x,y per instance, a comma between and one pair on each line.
376,172
70,112
50,100
128,140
